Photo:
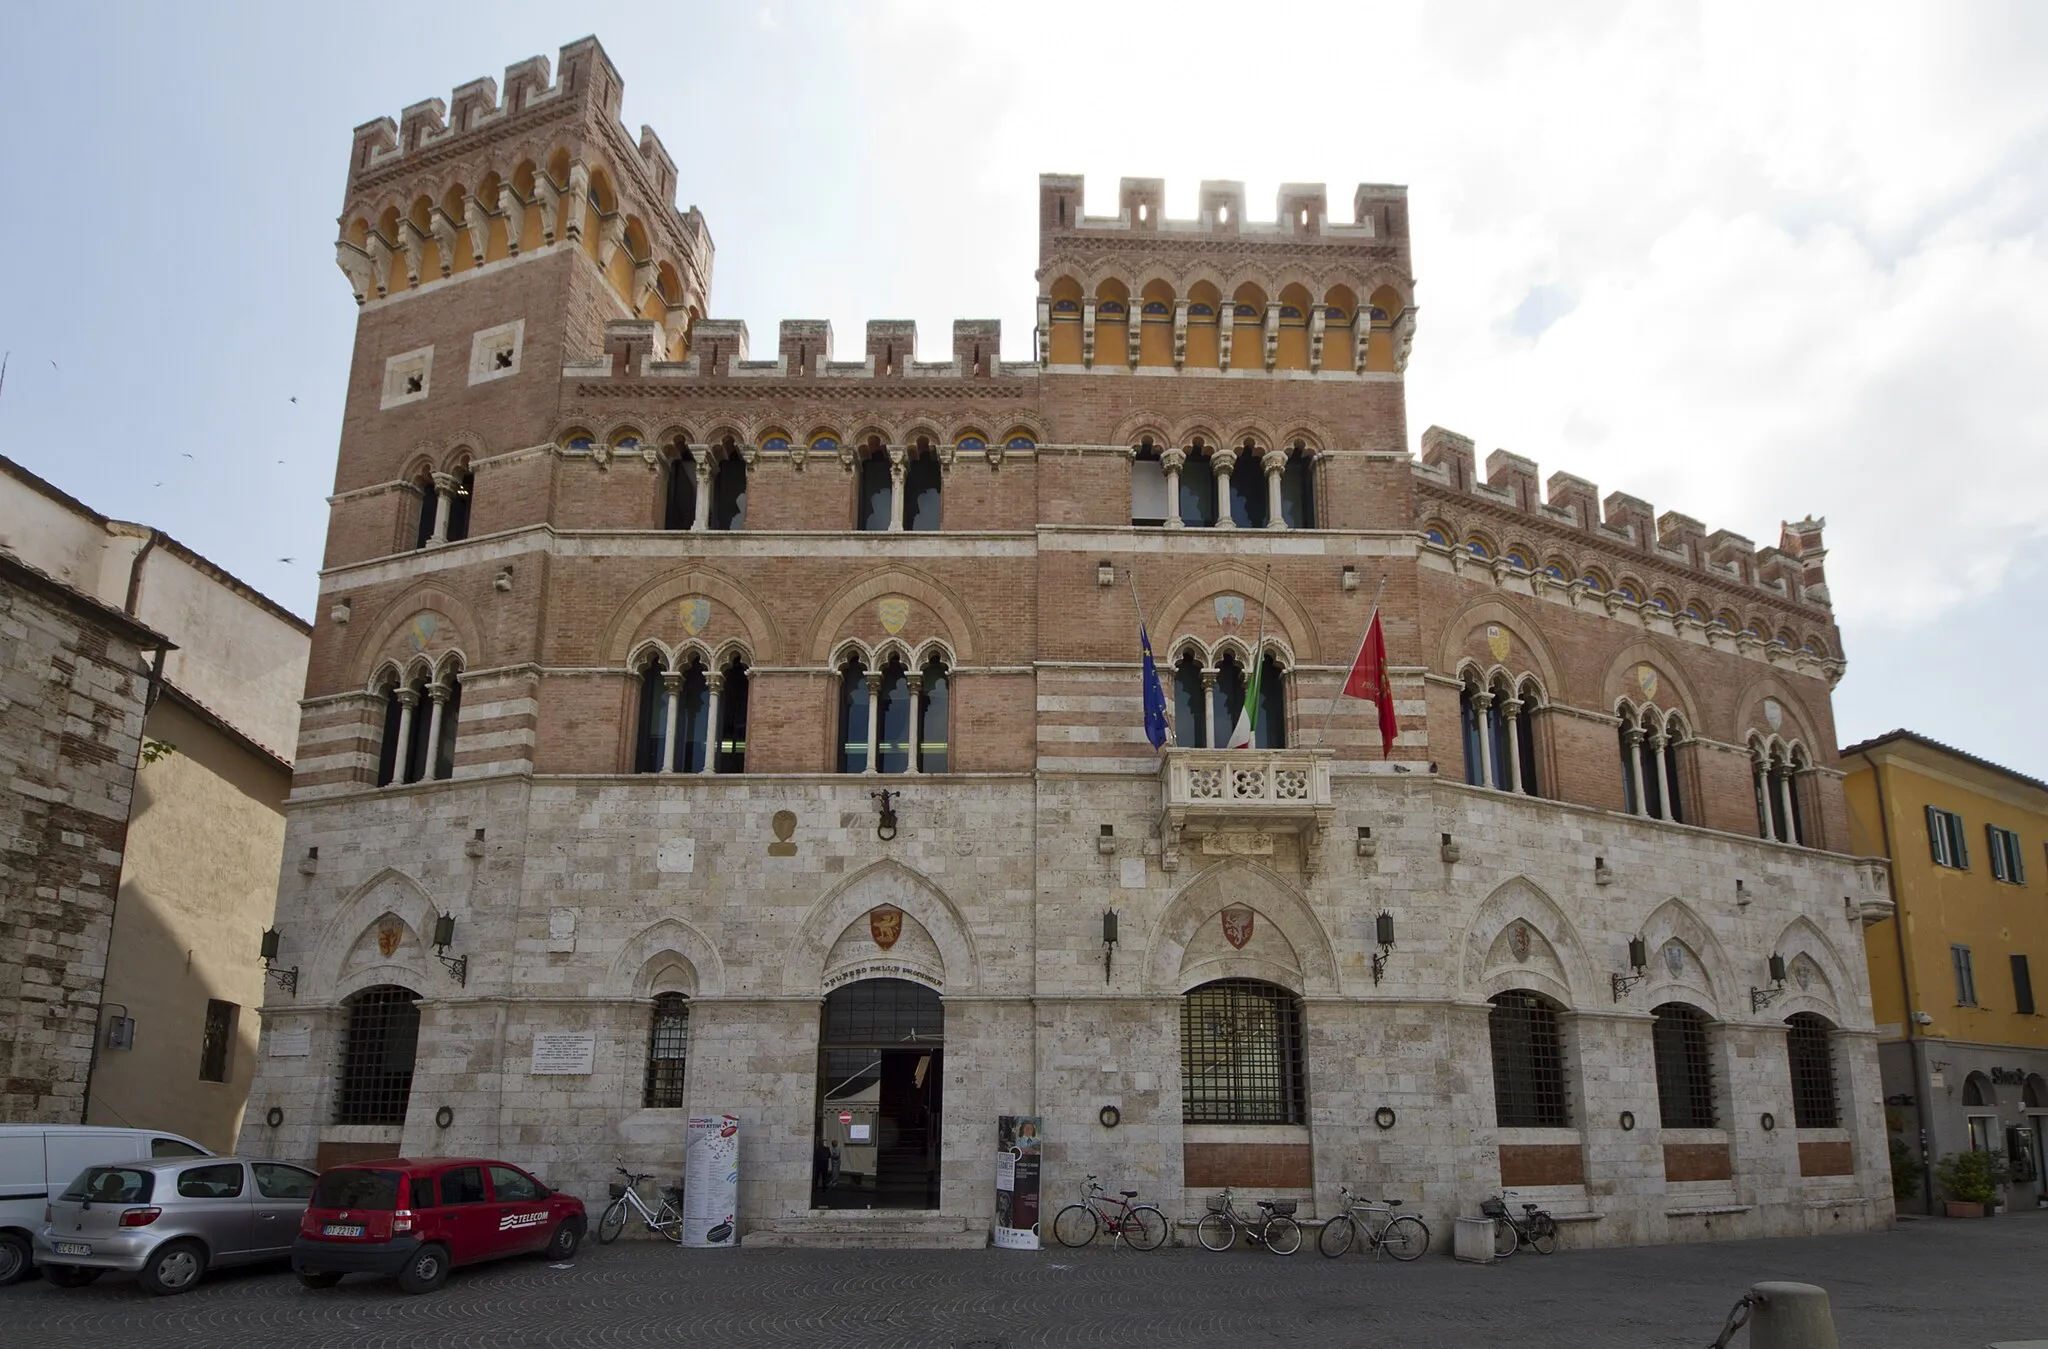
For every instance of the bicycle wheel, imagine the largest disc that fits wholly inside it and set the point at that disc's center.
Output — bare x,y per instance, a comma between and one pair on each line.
1075,1225
1543,1234
1406,1238
1505,1238
1283,1235
668,1223
1147,1228
612,1223
1336,1236
1216,1232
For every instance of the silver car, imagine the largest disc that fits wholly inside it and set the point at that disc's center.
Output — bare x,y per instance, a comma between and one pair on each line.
169,1220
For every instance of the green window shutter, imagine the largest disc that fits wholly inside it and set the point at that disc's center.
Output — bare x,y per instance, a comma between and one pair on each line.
1997,853
1935,842
1962,843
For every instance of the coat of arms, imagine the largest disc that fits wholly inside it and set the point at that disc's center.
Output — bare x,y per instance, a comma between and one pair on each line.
421,631
1518,940
885,924
696,613
390,932
1497,641
894,612
1774,713
1646,680
1237,926
1230,610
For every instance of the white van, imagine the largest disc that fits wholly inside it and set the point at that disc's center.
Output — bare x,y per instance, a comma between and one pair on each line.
39,1160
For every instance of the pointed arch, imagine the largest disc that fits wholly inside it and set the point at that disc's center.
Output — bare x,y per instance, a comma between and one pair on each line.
1674,687
1833,997
1521,899
955,617
653,949
1676,920
388,891
1749,711
1297,629
1239,881
385,626
885,882
1527,633
632,618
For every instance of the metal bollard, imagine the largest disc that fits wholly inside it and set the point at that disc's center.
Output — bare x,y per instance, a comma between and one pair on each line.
1791,1316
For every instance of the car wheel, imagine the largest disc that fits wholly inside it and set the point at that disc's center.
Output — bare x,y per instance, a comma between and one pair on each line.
426,1271
14,1260
568,1236
174,1267
70,1276
327,1280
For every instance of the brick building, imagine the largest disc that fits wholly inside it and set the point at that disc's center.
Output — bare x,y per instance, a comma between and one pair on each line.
624,628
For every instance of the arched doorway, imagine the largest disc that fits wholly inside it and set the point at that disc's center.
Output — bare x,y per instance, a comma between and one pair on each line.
880,1045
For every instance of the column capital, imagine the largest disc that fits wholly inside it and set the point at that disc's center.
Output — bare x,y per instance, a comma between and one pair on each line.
408,697
874,680
715,682
1511,707
1173,460
1273,461
672,680
444,482
1633,735
438,693
1483,699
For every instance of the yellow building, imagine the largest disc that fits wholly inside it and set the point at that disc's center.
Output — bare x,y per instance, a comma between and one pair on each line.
1962,1039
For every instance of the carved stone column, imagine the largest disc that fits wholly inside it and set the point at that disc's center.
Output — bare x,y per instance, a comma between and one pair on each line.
1482,703
874,721
898,465
1510,726
714,685
1222,461
444,502
672,683
1658,741
916,684
1275,464
1171,461
1632,768
1209,709
408,699
700,457
437,694
1760,772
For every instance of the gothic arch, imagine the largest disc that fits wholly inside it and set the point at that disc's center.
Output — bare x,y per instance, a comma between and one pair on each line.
629,622
659,945
1527,632
1831,996
389,891
1617,683
1749,712
1521,899
1297,630
1237,881
383,629
884,882
1676,920
955,620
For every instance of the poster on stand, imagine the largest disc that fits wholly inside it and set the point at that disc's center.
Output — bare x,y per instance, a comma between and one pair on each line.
711,1180
1018,1152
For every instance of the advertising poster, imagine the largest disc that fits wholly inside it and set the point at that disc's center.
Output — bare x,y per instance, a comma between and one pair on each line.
1018,1154
711,1181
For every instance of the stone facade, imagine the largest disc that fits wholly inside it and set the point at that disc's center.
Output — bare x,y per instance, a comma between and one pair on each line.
523,570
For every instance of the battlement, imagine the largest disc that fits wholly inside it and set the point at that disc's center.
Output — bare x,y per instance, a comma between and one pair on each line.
1300,213
1792,570
721,349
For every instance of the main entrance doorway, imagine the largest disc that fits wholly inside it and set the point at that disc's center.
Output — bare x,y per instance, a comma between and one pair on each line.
879,1052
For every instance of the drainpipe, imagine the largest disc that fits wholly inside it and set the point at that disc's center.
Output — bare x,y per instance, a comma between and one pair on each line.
135,583
1916,1051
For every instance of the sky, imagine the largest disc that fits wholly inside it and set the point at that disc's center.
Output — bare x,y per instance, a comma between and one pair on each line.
1749,262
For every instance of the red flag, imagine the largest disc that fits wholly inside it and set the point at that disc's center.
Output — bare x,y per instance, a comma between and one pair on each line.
1369,680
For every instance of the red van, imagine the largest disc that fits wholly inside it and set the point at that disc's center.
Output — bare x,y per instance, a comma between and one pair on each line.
418,1217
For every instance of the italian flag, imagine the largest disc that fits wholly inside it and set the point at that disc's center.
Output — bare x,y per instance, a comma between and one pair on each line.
1248,718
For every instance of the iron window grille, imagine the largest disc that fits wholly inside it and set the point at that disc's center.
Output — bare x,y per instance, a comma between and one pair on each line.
668,1043
883,1012
1528,1062
377,1056
1966,976
1809,1046
1240,1055
220,1036
1685,1077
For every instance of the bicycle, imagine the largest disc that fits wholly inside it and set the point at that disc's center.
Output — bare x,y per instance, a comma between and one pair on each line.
1276,1231
1535,1228
665,1222
1143,1225
1403,1236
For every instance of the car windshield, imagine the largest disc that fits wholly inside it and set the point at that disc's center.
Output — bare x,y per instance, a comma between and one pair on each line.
357,1189
112,1185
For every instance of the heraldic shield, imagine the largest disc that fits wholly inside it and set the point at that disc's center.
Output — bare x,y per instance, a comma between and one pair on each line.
1237,925
885,924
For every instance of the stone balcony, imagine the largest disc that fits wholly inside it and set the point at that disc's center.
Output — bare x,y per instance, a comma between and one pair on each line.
1234,800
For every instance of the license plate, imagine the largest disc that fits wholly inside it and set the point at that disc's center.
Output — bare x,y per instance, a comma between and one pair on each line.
341,1230
74,1248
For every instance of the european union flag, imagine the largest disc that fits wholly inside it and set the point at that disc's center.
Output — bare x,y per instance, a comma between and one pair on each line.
1155,697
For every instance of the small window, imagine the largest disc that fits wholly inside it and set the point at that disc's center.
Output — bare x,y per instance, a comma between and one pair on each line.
223,1181
2022,987
1528,1062
1810,1052
2006,862
420,1192
408,377
1946,840
220,1036
1685,1078
464,1185
494,352
668,1042
174,1147
274,1180
514,1187
1966,979
1982,1128
1241,1054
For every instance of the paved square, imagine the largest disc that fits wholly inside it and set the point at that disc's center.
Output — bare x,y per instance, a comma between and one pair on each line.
1928,1285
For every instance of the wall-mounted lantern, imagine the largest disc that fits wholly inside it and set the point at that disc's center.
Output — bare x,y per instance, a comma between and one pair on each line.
444,935
288,980
1638,959
1108,941
1760,998
1383,937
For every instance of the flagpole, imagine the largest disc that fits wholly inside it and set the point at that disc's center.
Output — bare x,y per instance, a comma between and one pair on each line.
1131,575
1252,682
1363,638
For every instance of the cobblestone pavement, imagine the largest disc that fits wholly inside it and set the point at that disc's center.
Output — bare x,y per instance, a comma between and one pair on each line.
1928,1285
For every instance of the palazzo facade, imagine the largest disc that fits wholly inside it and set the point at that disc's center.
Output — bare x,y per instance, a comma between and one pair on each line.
694,729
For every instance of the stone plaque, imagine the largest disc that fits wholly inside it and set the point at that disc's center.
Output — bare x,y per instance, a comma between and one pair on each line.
291,1044
561,929
1238,843
1131,873
678,855
572,1053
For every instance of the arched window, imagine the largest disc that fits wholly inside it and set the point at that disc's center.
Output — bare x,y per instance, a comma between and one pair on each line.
1674,736
1524,737
668,1046
922,490
1685,1077
735,683
934,712
458,505
1488,736
441,727
728,490
1528,1062
1240,1054
1642,761
1149,504
1227,695
853,716
1977,1091
692,717
1809,1045
1190,708
1198,489
1777,770
650,735
420,717
377,1052
394,720
892,708
1249,507
430,508
877,490
679,494
1298,488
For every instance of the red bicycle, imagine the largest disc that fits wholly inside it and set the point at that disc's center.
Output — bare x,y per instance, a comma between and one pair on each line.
1143,1225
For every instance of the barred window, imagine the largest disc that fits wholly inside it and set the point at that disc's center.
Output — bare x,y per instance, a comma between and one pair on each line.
1685,1078
1528,1062
1240,1055
668,1044
220,1036
1809,1046
377,1056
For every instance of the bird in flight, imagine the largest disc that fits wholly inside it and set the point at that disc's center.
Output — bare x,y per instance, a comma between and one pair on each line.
295,398
287,560
55,366
188,456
